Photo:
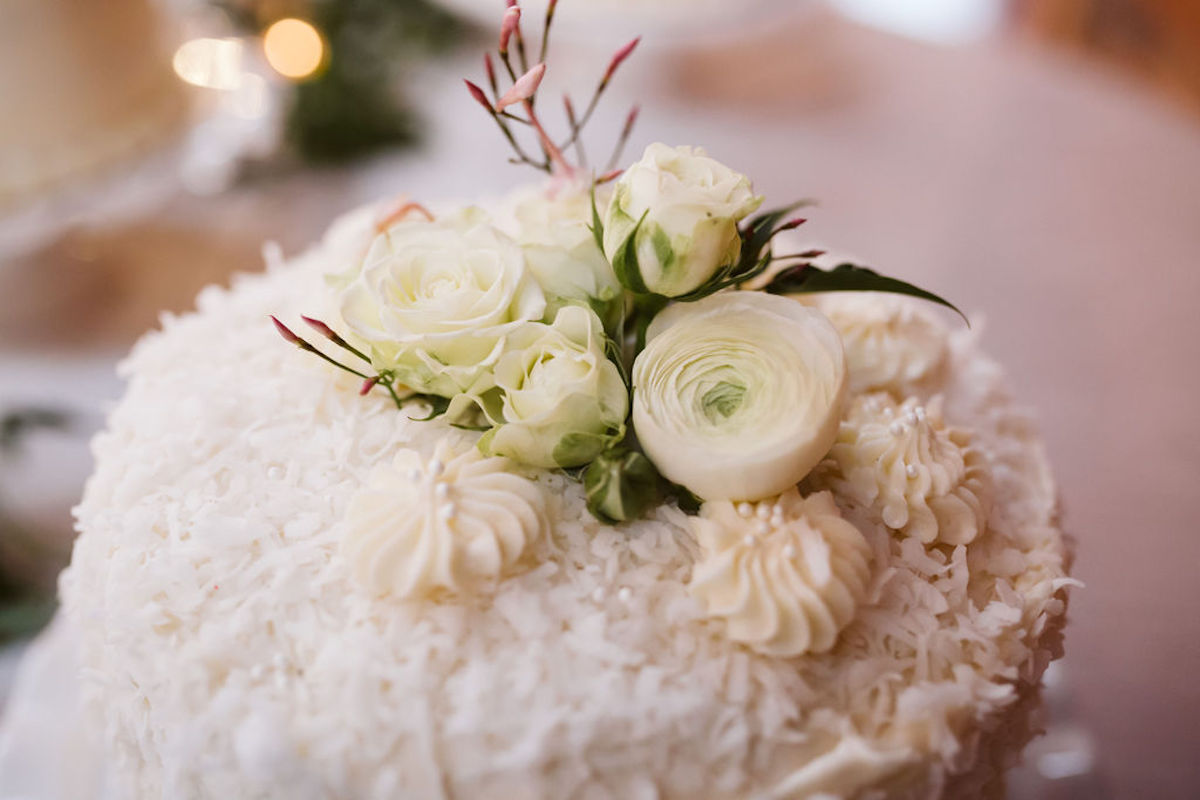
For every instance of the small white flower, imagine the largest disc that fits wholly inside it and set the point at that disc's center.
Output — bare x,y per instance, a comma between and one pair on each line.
559,401
434,300
738,396
676,212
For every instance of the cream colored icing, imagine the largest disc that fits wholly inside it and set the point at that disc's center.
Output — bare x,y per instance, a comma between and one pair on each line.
891,343
922,478
785,575
449,523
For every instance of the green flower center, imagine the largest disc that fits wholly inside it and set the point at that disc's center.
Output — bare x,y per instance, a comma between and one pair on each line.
722,401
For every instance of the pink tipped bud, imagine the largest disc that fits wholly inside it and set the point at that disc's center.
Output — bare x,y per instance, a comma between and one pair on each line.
479,96
368,385
791,223
611,175
490,70
618,58
286,332
320,327
631,120
512,19
525,87
811,254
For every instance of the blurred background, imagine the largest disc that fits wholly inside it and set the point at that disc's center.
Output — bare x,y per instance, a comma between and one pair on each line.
1036,160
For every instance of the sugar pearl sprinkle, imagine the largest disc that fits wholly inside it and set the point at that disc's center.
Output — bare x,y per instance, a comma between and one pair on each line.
749,540
745,509
789,551
897,428
625,594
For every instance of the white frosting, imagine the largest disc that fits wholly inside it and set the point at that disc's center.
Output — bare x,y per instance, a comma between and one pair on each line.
786,576
892,343
447,523
214,613
924,479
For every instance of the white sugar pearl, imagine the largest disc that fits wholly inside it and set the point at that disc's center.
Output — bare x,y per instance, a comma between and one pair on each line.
748,540
896,428
911,418
911,470
777,520
275,473
598,594
920,411
763,511
442,491
624,594
764,527
437,467
789,552
745,509
414,474
448,511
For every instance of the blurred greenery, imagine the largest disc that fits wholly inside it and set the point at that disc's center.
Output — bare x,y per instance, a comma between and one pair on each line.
356,103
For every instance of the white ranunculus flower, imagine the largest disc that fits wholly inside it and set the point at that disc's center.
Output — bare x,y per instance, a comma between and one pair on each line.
738,396
688,206
434,300
559,401
552,225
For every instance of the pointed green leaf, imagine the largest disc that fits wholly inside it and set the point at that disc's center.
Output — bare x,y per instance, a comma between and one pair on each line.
806,279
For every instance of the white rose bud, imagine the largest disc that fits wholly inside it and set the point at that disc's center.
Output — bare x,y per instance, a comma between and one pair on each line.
738,396
434,300
682,211
559,401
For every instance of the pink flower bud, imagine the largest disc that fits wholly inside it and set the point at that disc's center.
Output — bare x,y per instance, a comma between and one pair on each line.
791,223
490,70
512,18
479,96
618,58
525,87
368,385
320,327
286,332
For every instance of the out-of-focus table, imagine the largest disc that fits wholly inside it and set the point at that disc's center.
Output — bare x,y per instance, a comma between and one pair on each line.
1057,202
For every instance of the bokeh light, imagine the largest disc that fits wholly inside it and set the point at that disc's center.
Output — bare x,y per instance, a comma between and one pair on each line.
294,48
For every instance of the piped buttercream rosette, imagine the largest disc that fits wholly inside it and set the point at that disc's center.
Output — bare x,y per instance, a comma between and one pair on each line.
785,575
448,523
738,396
921,477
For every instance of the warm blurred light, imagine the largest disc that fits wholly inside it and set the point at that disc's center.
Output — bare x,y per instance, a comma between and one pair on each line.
213,63
293,48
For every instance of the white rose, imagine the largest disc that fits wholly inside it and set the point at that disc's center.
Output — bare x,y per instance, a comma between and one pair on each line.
559,400
434,300
738,396
682,210
552,225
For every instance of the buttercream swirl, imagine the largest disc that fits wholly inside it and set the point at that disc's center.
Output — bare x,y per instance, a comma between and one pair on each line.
923,478
891,343
786,575
449,523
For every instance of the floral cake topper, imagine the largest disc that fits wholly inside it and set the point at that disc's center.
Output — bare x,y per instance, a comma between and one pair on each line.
633,327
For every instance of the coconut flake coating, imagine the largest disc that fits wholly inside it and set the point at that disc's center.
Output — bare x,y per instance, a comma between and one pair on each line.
228,651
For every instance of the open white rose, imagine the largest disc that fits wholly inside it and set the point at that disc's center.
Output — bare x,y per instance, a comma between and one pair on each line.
559,400
682,209
434,300
738,396
552,225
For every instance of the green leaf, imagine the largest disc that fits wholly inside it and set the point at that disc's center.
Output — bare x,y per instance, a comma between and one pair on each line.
807,279
597,226
437,405
620,485
625,263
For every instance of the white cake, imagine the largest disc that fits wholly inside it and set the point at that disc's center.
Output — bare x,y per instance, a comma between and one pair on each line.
228,648
84,85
